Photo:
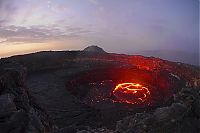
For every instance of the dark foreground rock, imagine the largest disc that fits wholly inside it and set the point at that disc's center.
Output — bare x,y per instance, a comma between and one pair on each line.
19,112
49,72
181,117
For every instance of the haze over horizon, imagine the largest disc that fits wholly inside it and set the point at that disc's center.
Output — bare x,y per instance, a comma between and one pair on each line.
120,26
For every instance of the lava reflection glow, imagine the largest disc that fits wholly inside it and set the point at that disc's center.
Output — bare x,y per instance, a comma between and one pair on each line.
131,93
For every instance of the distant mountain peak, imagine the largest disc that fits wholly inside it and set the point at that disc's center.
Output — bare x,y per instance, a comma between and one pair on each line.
94,49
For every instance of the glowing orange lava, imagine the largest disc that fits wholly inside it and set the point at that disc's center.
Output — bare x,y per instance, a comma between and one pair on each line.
131,93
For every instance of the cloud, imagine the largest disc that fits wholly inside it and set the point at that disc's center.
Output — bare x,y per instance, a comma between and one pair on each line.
95,2
2,40
38,34
7,10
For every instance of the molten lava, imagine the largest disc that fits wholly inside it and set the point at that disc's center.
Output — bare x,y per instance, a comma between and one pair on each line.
131,93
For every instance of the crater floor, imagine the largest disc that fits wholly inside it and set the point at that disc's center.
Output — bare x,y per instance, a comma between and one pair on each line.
49,89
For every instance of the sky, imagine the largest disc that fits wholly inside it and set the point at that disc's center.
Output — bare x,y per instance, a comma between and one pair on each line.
120,26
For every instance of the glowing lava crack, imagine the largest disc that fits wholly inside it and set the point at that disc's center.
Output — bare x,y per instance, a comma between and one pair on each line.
131,93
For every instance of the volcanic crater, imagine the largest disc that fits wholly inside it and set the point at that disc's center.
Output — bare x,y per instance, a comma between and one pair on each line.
97,89
125,85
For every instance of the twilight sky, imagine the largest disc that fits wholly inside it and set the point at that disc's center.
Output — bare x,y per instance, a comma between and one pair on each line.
123,26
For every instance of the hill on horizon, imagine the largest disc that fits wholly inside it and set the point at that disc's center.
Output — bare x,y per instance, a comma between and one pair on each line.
171,55
94,49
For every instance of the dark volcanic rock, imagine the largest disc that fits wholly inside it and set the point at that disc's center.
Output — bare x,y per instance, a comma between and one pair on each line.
88,75
67,130
94,49
7,103
180,117
19,112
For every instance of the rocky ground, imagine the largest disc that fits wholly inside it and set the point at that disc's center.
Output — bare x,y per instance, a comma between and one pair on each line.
35,95
182,116
64,108
19,111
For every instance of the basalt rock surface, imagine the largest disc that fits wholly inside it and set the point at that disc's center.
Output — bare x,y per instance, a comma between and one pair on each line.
75,88
19,111
182,116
